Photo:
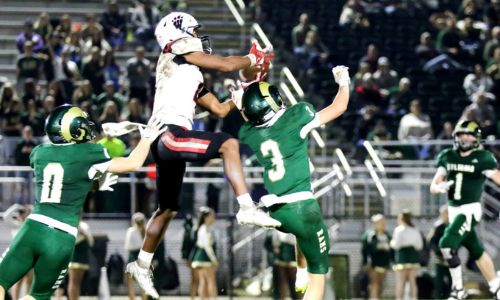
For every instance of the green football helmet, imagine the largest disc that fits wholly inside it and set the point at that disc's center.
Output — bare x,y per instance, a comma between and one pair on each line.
261,101
469,127
69,124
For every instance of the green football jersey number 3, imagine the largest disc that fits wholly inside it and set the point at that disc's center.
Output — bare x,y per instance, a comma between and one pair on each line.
271,149
53,175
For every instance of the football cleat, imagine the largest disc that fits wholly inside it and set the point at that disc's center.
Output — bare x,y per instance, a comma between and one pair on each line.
255,216
458,294
144,278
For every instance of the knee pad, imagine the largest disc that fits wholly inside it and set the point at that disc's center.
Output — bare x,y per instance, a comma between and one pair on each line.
451,256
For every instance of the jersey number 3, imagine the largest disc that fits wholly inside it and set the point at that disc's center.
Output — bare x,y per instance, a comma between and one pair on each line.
53,175
270,149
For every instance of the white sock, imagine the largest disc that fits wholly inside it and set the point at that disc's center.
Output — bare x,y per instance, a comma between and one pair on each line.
456,278
494,284
144,259
245,201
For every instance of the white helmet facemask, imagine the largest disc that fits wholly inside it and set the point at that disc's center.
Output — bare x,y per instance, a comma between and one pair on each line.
178,25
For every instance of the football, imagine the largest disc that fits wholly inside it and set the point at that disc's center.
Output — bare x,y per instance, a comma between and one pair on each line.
257,72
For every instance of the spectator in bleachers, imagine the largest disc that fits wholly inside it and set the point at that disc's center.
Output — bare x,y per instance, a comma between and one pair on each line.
29,35
134,112
31,91
371,57
112,71
365,123
91,27
482,112
49,103
447,132
7,95
442,277
83,93
377,255
97,40
75,45
56,90
28,65
469,9
52,49
357,79
491,43
133,244
168,6
300,30
426,50
492,13
385,77
114,146
493,70
400,98
110,94
144,19
313,55
65,69
478,81
471,43
64,26
407,243
448,39
353,15
415,125
31,118
138,75
114,25
110,113
368,93
42,26
24,147
92,70
11,123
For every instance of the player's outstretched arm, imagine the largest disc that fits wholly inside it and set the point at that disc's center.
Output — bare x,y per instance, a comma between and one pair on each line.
495,176
438,184
211,103
341,100
219,63
136,159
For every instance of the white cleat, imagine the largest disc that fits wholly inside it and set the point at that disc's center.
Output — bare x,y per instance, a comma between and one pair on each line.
255,216
144,278
458,294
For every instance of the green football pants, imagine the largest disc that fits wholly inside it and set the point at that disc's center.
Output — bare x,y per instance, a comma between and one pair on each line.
42,248
304,220
458,234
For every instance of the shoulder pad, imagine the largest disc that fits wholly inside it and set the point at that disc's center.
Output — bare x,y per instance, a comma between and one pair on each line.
186,45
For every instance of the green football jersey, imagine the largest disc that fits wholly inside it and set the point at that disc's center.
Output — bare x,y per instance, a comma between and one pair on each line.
282,151
467,174
63,178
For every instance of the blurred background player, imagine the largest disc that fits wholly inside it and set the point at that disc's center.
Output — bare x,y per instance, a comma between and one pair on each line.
407,242
461,173
278,136
64,172
442,277
377,255
204,260
178,82
79,263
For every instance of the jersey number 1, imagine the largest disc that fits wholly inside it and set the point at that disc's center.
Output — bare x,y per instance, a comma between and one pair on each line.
270,148
459,178
53,175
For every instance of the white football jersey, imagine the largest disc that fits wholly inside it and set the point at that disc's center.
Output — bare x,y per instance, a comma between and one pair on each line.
177,84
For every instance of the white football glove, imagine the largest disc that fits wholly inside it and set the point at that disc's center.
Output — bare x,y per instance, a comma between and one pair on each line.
237,97
106,181
301,280
155,127
341,75
442,187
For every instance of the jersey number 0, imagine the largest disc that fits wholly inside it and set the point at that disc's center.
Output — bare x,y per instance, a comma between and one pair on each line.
270,148
53,175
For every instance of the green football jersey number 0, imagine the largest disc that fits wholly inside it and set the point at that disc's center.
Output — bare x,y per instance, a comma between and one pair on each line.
53,175
270,148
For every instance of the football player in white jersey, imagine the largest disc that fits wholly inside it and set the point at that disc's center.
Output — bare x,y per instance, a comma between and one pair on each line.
179,89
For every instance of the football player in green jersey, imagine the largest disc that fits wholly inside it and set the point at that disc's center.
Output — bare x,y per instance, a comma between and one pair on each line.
64,173
461,173
278,136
